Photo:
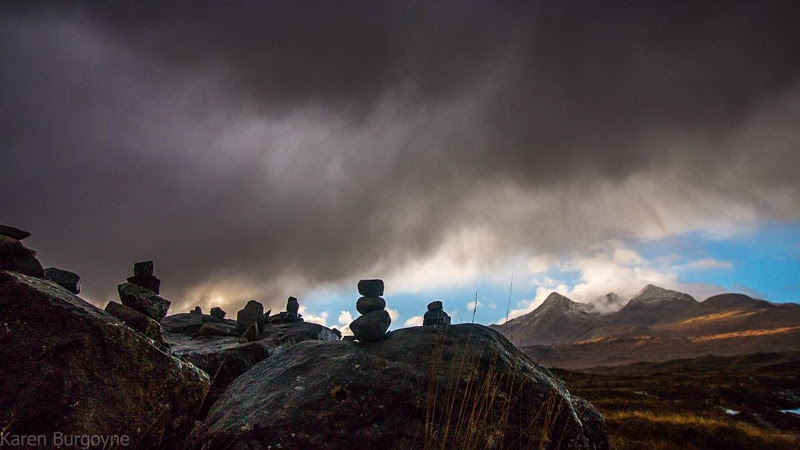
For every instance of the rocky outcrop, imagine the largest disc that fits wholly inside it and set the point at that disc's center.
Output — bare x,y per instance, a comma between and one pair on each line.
221,354
15,257
64,278
72,367
217,312
143,300
451,387
435,315
291,315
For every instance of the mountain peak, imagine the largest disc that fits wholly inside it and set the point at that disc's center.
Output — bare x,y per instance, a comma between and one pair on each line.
557,302
651,294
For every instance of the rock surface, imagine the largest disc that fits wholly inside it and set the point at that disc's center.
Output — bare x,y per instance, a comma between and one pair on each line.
224,358
64,278
372,326
137,321
426,387
370,288
78,370
143,300
13,233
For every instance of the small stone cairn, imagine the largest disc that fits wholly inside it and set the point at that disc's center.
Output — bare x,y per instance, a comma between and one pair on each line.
374,321
142,308
15,257
291,315
435,316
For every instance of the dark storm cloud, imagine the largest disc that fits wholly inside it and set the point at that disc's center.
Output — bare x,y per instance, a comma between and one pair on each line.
265,147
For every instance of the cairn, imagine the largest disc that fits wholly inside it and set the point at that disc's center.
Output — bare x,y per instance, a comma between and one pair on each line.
435,316
142,308
371,326
291,315
138,295
14,256
143,276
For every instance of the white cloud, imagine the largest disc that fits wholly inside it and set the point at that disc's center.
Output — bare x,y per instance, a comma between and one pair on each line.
471,305
344,320
320,319
541,263
709,264
393,314
413,322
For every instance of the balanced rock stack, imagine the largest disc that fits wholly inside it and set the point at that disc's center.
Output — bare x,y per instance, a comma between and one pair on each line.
142,308
14,256
291,315
435,316
371,326
143,276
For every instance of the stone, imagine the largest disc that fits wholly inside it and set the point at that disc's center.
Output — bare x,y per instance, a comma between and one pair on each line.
370,288
339,394
225,358
73,368
143,269
64,278
26,265
13,233
143,300
372,326
137,321
15,257
366,305
337,332
292,306
252,333
214,329
285,317
152,283
253,312
197,310
435,317
13,247
217,312
434,305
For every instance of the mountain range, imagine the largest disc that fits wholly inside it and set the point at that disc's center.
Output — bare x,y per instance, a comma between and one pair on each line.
655,325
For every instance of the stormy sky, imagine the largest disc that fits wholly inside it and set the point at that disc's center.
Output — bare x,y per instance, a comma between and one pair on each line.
266,149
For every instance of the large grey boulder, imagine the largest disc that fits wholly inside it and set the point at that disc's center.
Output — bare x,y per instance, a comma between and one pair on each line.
143,300
366,305
221,353
463,386
73,368
64,278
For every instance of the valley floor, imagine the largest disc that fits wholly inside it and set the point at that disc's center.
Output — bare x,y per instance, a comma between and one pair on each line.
701,403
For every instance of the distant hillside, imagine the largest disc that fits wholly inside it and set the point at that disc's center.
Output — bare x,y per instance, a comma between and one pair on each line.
655,325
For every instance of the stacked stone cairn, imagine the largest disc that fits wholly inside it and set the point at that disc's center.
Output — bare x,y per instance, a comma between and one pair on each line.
435,316
142,308
15,257
371,326
291,315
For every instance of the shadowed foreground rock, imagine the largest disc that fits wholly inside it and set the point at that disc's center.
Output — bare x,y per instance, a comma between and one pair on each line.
73,368
222,355
470,386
